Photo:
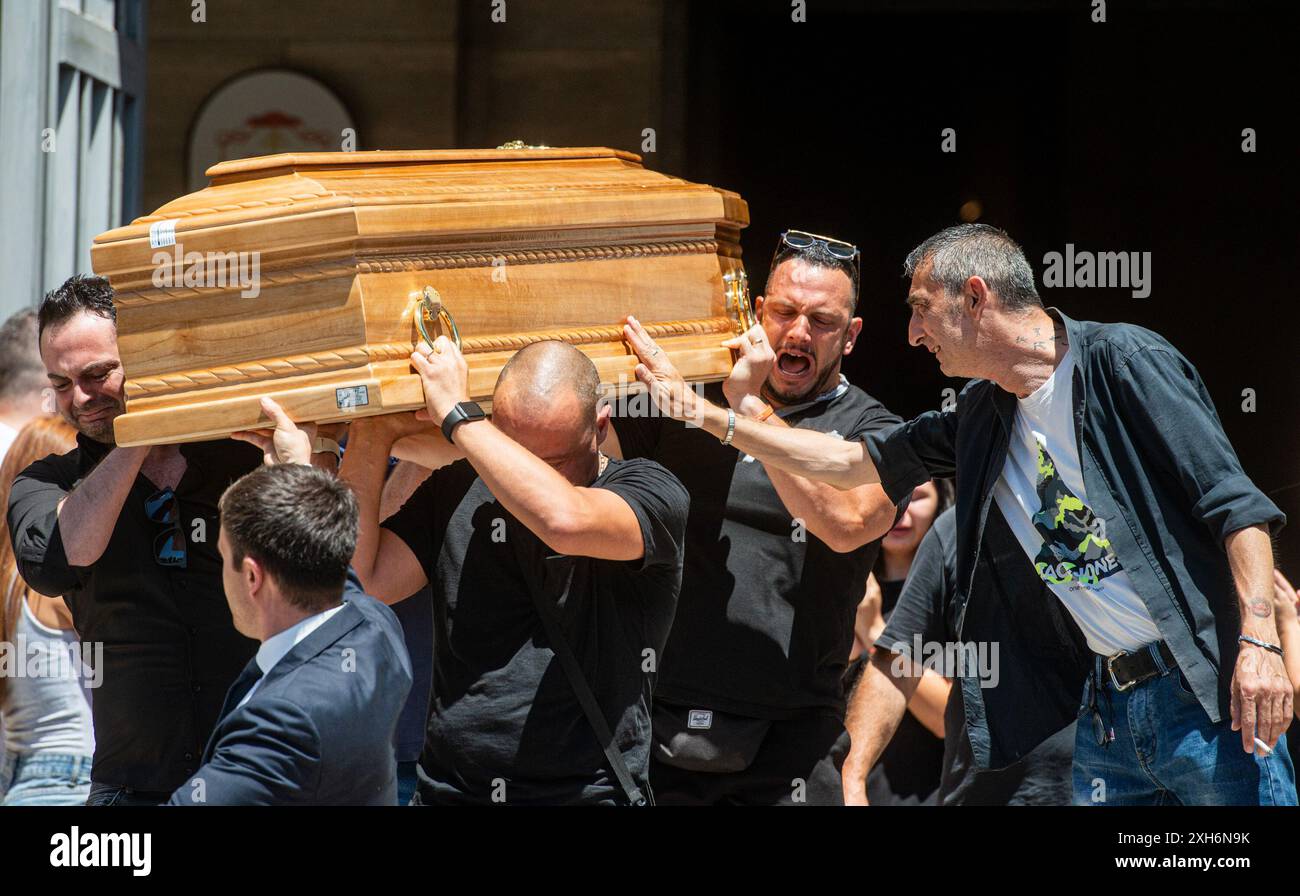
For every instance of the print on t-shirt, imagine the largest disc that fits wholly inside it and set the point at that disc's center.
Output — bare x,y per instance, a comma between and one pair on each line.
1075,547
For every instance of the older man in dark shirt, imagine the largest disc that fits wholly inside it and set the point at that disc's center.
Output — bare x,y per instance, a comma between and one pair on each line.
129,537
1089,460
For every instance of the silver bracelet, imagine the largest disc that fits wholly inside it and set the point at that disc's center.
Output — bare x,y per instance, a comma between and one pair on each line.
1258,643
731,426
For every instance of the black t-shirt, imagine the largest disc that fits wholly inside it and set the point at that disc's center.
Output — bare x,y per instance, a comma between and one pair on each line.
765,622
926,609
170,649
908,771
416,617
504,722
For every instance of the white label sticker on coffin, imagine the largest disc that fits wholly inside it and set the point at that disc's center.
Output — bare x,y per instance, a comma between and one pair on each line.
352,397
162,234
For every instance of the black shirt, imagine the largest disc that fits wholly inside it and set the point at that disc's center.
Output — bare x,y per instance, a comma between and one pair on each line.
170,649
416,616
765,622
1157,467
926,609
504,722
907,773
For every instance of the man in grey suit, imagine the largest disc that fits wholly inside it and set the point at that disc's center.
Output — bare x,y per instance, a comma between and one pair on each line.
311,719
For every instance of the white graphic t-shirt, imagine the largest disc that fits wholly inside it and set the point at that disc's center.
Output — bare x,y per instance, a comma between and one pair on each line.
1042,497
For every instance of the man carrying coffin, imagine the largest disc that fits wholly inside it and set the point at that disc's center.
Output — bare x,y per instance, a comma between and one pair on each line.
555,573
751,699
128,536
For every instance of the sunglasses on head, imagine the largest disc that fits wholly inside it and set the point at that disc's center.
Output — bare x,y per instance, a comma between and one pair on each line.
169,545
801,239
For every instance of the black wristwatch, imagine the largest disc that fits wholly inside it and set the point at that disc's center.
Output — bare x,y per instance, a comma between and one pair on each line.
463,412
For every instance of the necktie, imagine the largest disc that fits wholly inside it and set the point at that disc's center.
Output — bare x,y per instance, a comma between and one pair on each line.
243,684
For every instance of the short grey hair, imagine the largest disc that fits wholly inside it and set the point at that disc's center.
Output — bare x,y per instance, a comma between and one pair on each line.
978,250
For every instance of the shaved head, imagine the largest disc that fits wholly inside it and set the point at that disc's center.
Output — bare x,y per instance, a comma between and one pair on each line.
548,399
544,374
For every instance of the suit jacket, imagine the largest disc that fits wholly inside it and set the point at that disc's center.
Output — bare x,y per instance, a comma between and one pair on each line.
319,728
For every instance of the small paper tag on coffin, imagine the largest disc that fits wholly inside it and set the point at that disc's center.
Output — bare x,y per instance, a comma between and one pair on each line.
352,397
162,234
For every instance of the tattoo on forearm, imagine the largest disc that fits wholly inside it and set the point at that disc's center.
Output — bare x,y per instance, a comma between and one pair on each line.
1261,608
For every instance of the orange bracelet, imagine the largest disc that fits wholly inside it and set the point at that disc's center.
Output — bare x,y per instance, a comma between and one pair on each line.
768,413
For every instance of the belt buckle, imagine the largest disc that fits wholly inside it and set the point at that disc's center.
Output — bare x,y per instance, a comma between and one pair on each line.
1110,670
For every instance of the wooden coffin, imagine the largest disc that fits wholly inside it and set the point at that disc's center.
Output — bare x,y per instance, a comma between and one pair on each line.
344,255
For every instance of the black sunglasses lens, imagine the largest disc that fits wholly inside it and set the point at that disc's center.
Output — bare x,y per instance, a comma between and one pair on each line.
161,506
168,545
842,250
796,240
169,548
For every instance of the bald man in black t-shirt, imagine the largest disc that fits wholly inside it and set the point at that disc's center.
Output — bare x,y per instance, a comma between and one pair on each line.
532,519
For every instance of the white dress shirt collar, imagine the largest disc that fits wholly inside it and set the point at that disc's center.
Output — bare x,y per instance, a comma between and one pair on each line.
275,647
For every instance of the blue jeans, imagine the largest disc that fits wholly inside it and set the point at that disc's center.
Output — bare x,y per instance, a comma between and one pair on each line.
45,779
1166,751
406,781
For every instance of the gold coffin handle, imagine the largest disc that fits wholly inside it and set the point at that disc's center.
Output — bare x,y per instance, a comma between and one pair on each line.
433,308
736,286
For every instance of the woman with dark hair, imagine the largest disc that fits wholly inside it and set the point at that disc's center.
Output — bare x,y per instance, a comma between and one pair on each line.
909,770
47,727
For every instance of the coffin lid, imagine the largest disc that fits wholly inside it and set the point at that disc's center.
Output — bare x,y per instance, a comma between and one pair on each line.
344,204
237,169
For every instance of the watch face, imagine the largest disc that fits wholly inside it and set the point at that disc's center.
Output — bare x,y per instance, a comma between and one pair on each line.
461,413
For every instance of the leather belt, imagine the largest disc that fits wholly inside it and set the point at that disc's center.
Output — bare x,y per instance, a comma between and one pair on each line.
1127,670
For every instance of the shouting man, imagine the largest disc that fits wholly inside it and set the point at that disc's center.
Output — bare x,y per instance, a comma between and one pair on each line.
1090,466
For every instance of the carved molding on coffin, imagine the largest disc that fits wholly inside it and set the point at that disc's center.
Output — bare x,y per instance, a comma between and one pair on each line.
384,264
591,335
321,362
318,362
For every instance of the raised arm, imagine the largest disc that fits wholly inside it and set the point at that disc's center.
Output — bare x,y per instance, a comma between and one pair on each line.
88,515
814,455
574,520
387,567
55,533
844,519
